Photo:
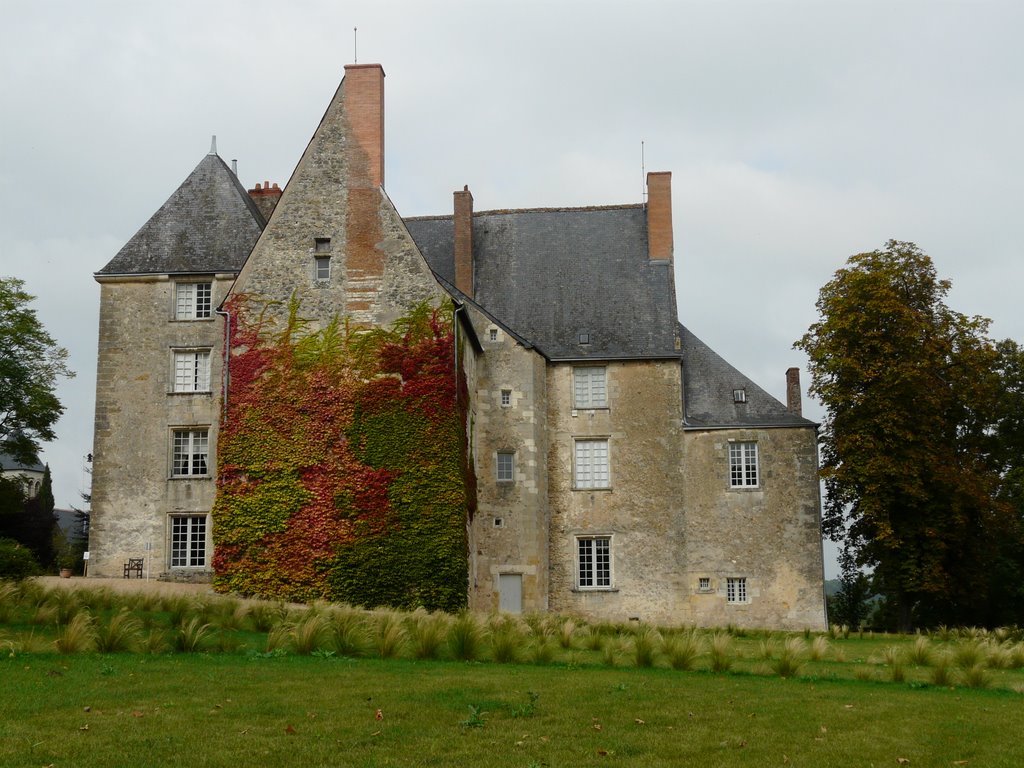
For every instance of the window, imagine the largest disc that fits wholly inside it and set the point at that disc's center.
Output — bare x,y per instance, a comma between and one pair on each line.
735,590
192,370
589,388
591,469
192,301
506,398
704,584
323,269
594,562
743,465
493,334
506,466
739,395
188,542
191,448
322,244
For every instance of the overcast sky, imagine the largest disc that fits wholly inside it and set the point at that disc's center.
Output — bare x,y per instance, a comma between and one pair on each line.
798,133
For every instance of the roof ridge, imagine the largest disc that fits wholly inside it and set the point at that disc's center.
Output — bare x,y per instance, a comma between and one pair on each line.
556,209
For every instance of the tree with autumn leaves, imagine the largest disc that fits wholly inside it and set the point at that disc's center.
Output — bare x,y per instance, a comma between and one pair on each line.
922,481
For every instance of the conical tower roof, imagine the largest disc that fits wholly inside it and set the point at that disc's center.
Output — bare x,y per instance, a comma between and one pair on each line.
209,224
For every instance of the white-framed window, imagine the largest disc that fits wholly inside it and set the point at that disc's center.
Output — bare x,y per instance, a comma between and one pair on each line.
506,398
191,370
704,584
190,453
739,395
506,466
591,464
590,389
743,465
188,541
736,589
193,301
594,562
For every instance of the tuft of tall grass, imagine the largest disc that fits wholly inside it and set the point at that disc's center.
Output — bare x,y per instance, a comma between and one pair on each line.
191,636
682,650
942,670
542,650
768,647
567,634
262,616
720,652
122,633
969,653
348,631
977,677
506,641
465,637
389,635
77,636
594,639
791,658
646,643
155,641
428,634
921,652
818,648
310,633
278,638
27,642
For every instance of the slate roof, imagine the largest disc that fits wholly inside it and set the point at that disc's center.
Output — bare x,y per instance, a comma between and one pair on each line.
708,384
10,464
551,274
208,225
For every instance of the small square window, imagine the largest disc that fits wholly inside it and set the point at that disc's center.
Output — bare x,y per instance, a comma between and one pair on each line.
322,245
506,467
499,522
493,334
506,398
704,584
736,590
323,269
584,338
739,395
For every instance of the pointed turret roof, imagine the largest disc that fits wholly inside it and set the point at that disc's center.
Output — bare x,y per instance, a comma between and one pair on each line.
209,224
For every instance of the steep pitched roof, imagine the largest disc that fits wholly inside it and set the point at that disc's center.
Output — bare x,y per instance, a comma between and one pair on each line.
553,274
10,464
209,224
708,384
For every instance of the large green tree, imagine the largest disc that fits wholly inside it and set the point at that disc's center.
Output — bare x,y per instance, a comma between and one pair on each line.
911,391
31,362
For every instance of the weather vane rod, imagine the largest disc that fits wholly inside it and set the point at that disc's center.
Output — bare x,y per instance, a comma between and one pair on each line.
355,45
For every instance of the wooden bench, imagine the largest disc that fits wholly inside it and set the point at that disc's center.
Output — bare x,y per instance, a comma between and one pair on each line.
134,565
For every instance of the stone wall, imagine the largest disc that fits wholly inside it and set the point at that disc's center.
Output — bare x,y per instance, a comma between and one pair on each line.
133,493
510,529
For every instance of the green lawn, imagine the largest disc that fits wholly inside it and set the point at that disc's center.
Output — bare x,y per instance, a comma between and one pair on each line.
229,710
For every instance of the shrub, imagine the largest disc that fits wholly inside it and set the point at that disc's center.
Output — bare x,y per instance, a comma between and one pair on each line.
16,562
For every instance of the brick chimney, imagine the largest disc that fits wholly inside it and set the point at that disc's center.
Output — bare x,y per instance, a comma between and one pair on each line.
659,216
464,241
265,197
364,105
793,391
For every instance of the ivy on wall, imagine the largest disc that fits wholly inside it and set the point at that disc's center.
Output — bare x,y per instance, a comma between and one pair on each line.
342,468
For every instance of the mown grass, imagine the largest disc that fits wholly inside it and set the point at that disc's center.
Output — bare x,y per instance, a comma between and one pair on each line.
230,710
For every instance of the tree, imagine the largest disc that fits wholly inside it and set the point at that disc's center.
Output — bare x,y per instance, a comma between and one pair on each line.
909,460
28,518
31,363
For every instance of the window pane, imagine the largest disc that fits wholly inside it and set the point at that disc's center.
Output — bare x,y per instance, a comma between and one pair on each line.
586,550
743,465
193,301
189,454
506,467
594,562
323,268
589,388
591,464
192,371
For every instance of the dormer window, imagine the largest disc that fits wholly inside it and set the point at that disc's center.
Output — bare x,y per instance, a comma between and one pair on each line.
739,395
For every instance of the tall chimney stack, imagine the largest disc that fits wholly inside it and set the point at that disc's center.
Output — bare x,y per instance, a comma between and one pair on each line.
464,241
659,216
364,104
793,404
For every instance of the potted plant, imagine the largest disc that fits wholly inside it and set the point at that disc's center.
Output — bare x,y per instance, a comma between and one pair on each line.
67,556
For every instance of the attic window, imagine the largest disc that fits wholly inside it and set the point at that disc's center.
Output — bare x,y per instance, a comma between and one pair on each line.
739,395
584,338
322,245
493,334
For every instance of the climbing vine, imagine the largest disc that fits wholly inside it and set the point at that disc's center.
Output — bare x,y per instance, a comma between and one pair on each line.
342,468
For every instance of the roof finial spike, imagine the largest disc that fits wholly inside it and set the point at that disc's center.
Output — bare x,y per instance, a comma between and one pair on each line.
213,144
355,45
